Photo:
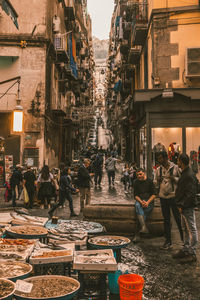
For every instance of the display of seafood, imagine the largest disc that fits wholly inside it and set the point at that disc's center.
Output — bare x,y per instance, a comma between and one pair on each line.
109,240
28,230
95,253
96,263
73,226
6,287
23,219
9,245
11,256
52,254
50,286
77,238
10,269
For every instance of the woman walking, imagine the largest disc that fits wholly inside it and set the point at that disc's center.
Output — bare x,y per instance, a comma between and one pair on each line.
45,184
65,192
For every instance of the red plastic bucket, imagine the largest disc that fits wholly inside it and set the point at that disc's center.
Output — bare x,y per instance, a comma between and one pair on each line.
130,286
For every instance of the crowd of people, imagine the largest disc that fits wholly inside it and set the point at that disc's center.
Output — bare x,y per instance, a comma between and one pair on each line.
175,185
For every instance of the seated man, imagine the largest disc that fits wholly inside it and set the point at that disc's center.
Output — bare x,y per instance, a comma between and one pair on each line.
144,193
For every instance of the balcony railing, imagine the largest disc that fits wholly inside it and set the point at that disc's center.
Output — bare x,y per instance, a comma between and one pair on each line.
140,22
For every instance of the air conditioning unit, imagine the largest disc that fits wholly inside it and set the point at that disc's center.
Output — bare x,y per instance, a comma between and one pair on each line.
59,43
192,62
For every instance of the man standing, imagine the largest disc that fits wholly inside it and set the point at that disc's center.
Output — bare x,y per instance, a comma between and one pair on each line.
97,167
186,201
84,181
144,193
15,182
166,178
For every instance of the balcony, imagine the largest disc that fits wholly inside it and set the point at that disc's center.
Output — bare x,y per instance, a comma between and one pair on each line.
58,106
140,23
69,14
134,55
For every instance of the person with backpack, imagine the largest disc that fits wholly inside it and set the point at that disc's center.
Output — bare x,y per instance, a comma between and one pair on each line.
110,169
166,179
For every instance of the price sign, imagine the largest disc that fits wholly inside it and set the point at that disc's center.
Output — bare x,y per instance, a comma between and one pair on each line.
23,286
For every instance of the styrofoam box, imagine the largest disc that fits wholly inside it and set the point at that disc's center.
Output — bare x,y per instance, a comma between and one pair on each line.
56,259
96,260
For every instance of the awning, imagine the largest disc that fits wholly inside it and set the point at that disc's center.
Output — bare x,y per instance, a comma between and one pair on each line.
10,11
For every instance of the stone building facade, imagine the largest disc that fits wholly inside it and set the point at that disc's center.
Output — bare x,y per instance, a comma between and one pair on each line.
51,54
159,63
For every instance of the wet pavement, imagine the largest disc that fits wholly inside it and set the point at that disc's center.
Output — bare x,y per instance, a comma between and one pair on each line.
165,278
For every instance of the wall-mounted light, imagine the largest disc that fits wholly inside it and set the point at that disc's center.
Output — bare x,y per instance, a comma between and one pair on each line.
18,114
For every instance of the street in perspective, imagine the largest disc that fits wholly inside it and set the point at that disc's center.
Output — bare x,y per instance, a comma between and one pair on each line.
99,150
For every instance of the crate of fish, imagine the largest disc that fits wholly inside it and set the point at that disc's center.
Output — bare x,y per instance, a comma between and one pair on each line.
79,238
16,249
7,288
95,253
45,255
94,261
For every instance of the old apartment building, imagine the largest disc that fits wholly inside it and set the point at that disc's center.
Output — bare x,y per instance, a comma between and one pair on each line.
46,68
153,79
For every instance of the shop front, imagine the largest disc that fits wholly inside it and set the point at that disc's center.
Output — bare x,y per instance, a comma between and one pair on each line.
172,125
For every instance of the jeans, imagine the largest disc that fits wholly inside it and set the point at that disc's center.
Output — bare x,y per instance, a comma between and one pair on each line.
111,176
97,177
143,211
190,230
62,196
166,204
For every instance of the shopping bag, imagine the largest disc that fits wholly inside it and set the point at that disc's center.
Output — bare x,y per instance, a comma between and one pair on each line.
26,197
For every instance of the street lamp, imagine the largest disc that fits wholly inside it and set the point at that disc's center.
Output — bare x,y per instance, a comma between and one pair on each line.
18,114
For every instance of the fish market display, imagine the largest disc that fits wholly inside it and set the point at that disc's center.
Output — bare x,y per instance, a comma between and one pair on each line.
77,238
27,230
52,254
6,287
109,241
95,260
50,286
16,248
73,226
44,254
23,219
10,269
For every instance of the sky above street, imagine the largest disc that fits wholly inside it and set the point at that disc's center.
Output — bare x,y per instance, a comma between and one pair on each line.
101,14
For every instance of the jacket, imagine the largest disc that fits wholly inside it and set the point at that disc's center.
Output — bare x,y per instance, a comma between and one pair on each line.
185,195
83,177
110,164
65,184
166,187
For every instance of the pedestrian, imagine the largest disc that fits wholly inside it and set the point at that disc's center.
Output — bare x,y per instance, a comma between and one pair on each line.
98,169
166,178
84,181
110,169
15,183
8,192
125,177
65,192
185,197
29,181
132,173
144,193
44,186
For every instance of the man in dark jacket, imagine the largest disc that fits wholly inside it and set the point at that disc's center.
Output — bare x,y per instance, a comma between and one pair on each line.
84,181
97,167
15,182
185,197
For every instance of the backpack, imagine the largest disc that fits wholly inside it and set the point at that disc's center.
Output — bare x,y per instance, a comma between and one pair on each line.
170,173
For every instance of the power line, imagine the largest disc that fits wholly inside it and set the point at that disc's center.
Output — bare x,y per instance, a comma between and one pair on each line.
9,89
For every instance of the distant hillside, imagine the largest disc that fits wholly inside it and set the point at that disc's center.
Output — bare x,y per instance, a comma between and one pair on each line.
100,48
